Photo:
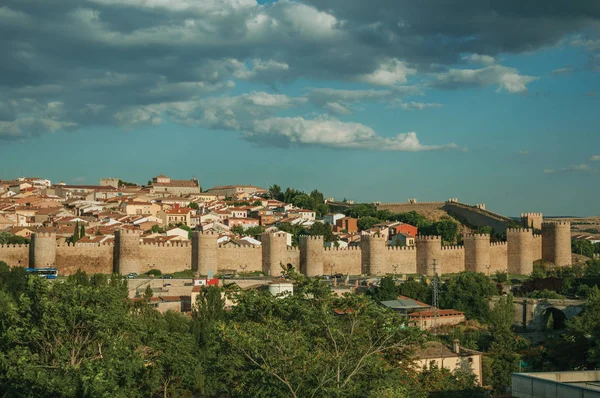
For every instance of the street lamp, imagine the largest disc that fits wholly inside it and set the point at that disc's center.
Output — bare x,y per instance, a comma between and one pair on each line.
395,267
243,267
331,269
488,269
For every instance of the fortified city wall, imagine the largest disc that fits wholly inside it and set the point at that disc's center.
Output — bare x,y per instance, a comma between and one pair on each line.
373,257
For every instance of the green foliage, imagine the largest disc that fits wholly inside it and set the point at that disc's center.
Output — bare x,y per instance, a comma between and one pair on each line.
154,272
440,382
367,222
237,229
193,205
468,292
584,247
545,294
386,290
446,228
501,276
415,289
130,184
7,238
503,351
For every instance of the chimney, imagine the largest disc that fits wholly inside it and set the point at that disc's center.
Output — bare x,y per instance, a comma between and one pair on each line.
456,346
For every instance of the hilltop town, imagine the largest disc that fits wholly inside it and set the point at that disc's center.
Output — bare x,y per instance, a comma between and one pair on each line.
174,226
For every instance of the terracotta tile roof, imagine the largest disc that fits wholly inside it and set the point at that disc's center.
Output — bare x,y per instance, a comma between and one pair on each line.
431,314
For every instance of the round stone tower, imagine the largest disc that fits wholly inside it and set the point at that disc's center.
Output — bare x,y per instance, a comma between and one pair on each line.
42,250
127,251
556,242
429,249
374,254
274,252
477,252
311,255
204,252
520,251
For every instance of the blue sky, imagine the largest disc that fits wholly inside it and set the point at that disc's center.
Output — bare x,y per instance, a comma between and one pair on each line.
493,103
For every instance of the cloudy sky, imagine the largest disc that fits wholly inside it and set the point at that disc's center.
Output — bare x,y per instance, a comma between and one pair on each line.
494,102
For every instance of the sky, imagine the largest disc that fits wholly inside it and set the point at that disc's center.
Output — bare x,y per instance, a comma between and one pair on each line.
494,102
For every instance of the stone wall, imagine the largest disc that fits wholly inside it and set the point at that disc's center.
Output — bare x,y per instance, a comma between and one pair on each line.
404,257
233,258
345,261
453,260
168,258
477,217
90,258
15,255
374,257
498,257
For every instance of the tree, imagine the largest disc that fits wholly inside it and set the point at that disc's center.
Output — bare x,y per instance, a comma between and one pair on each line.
367,222
237,229
193,205
82,231
583,247
468,292
416,290
7,238
275,192
386,290
324,230
504,358
148,293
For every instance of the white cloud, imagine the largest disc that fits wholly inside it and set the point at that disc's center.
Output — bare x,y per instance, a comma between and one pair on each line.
389,72
338,101
333,134
78,179
504,77
595,158
574,168
417,106
524,152
479,59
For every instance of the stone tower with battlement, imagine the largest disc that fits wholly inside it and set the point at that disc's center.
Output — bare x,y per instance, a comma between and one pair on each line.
204,252
274,252
556,242
520,251
477,252
127,252
374,254
532,220
311,255
429,250
42,250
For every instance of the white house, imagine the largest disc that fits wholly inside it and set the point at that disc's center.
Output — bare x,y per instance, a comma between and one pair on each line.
332,218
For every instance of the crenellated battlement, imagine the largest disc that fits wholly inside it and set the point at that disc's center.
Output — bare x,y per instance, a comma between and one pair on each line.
339,249
537,236
410,203
292,248
518,231
455,247
492,244
281,235
377,237
166,244
311,237
523,215
554,224
89,244
131,232
476,236
421,238
38,235
13,246
402,248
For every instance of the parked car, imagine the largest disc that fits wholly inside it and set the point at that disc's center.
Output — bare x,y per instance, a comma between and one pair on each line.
167,285
338,276
168,276
132,275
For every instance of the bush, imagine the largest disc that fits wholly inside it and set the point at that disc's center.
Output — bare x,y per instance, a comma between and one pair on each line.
154,272
501,276
545,294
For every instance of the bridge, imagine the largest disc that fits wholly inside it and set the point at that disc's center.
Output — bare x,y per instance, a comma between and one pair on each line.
531,315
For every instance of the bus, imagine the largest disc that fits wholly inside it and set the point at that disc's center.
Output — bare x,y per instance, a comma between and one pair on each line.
46,273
